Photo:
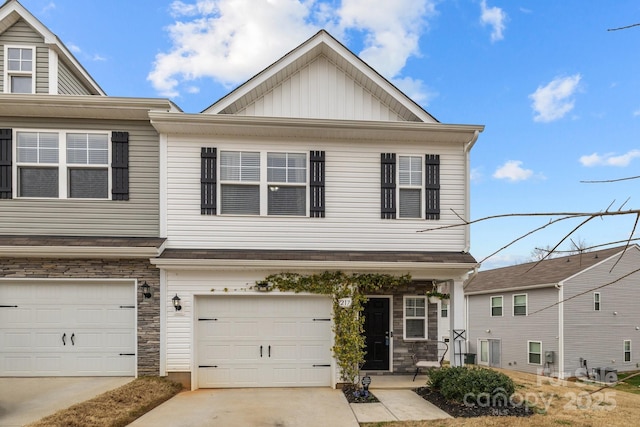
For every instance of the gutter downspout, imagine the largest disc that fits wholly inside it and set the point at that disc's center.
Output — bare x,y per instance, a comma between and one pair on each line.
560,289
467,149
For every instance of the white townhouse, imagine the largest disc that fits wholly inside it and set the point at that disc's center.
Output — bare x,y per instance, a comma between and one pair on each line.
315,164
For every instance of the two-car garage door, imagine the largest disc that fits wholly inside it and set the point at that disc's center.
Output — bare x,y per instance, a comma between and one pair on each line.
67,328
263,341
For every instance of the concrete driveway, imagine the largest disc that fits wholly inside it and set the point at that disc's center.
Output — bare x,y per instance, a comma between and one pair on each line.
25,400
281,407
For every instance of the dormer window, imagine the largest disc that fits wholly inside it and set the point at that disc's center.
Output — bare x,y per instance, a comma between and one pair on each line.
19,70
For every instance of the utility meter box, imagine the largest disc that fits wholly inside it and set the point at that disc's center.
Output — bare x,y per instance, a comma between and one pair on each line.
548,356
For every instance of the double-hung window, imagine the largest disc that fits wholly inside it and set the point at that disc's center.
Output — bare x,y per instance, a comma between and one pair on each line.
248,187
410,188
535,352
415,318
627,350
19,69
444,309
596,301
496,306
520,305
60,164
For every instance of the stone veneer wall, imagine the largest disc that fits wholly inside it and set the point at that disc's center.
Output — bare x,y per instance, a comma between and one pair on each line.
148,309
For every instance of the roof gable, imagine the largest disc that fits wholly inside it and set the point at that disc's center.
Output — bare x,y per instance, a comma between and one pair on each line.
323,79
12,11
538,274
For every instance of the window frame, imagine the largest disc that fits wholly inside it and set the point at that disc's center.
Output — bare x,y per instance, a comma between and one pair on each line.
63,166
597,302
11,73
444,309
481,360
626,352
491,298
412,186
425,318
529,353
526,305
263,183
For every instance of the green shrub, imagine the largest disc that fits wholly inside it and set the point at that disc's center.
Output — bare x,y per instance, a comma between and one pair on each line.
463,384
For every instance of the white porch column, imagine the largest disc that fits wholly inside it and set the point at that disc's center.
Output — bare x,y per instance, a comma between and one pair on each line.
458,334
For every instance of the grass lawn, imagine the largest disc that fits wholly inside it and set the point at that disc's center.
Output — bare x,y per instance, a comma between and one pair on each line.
115,408
631,385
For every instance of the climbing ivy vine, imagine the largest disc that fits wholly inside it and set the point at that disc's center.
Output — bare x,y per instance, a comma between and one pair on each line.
348,322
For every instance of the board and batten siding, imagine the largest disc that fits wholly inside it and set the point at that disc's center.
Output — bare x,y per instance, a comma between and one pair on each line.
352,189
598,336
514,331
188,284
137,217
321,90
21,33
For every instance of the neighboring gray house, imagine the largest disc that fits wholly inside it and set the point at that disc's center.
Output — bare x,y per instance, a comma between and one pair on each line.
561,316
79,214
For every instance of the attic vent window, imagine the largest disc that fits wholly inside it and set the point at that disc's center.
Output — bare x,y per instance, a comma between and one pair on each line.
20,70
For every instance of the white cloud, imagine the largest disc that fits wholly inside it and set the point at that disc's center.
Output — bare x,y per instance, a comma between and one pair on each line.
513,171
554,101
415,89
74,48
98,57
609,159
495,18
636,113
231,40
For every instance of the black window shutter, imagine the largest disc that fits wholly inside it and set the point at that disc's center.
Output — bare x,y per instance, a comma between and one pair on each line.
432,186
316,209
120,165
388,183
208,181
5,163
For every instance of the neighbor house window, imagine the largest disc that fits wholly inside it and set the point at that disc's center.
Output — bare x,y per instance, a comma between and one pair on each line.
444,309
62,164
19,69
627,350
484,352
248,188
596,301
415,318
496,306
520,305
535,352
410,189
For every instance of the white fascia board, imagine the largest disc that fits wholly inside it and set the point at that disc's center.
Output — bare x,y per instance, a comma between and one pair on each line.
513,289
78,252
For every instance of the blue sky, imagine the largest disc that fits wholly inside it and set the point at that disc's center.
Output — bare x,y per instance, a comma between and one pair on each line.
558,93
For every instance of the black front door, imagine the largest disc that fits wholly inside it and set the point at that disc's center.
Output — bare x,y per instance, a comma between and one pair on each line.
377,334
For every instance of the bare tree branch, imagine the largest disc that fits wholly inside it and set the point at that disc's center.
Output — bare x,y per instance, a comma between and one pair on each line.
610,180
623,28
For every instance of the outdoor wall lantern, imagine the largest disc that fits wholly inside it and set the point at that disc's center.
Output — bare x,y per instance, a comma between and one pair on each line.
176,303
146,289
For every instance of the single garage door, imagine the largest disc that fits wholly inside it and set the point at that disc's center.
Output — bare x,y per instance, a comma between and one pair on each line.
67,329
263,341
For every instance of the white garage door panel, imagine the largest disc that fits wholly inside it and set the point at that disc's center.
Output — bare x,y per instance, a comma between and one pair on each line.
263,341
67,329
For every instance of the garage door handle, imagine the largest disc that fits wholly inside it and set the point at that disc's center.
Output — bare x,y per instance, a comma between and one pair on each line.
63,338
72,336
260,351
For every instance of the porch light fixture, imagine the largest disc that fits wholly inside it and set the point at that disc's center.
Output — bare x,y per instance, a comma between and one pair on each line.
176,303
146,289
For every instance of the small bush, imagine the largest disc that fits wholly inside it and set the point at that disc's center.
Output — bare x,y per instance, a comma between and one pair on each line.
460,381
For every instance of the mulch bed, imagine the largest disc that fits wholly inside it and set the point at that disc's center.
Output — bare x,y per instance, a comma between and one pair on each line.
466,411
355,395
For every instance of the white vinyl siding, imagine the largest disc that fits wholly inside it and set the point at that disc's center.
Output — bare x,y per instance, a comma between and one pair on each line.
352,204
520,305
534,350
496,306
415,318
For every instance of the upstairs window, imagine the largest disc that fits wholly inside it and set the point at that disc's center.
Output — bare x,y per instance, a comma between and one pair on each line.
19,70
410,179
520,305
496,306
596,301
72,165
255,183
